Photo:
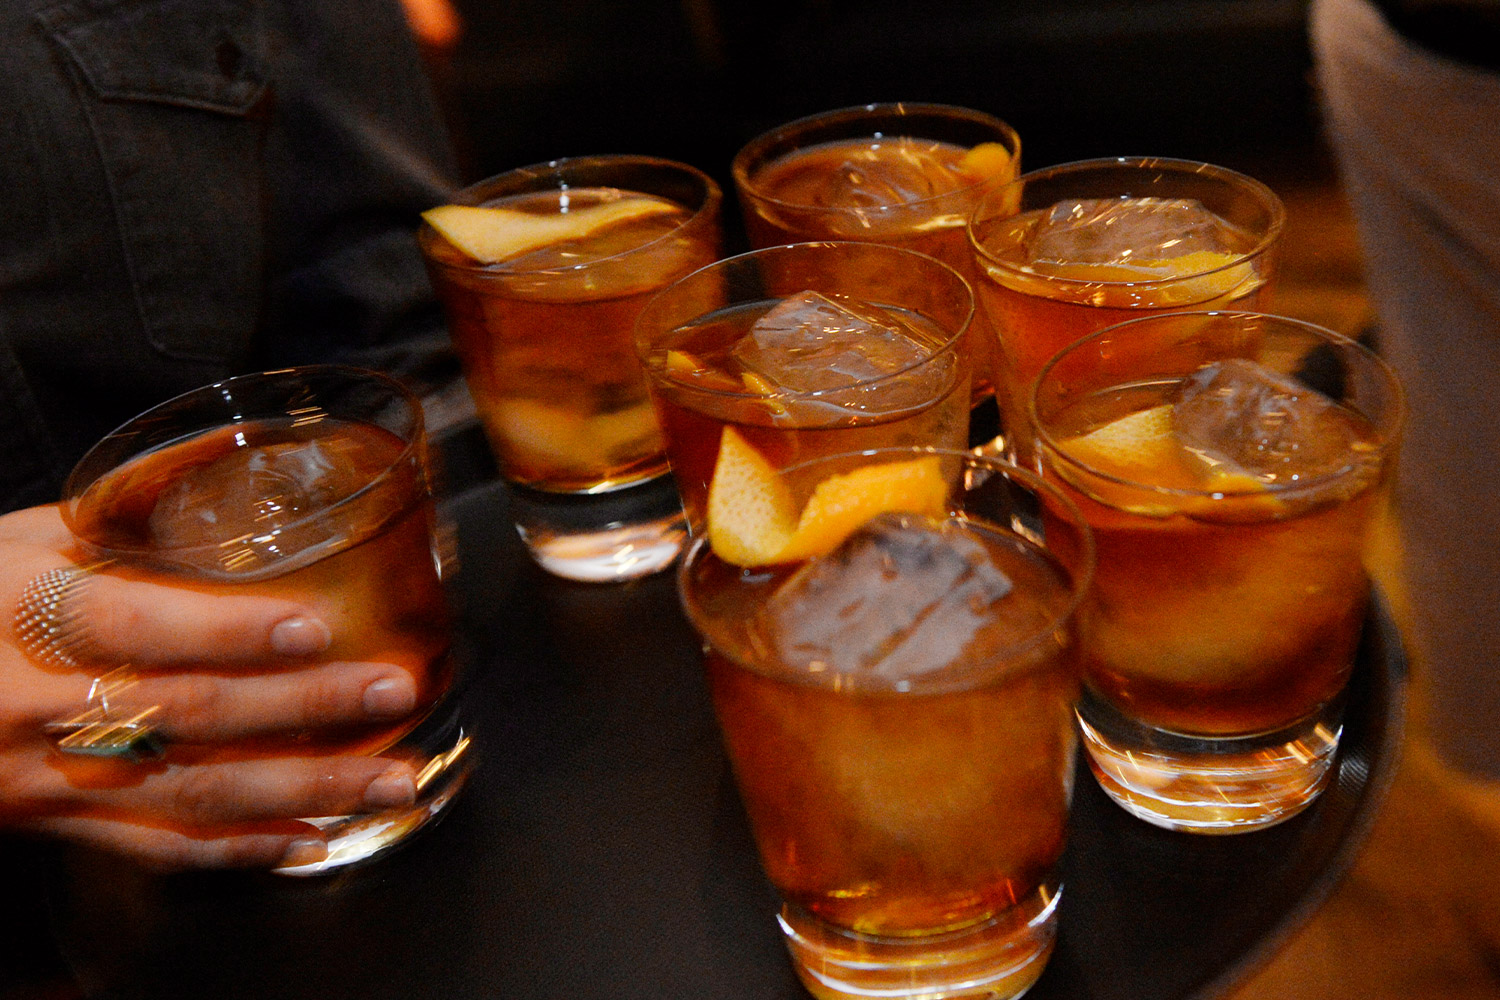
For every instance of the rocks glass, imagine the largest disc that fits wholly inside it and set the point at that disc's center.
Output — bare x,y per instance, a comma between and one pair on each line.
542,272
905,174
1068,250
1231,465
807,350
898,714
309,484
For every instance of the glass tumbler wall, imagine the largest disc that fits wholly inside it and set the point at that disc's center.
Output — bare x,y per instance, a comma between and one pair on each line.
542,272
309,484
1069,250
806,350
907,175
1231,465
898,713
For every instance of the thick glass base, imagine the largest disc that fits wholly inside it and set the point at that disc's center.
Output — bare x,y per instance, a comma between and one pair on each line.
1204,784
366,837
606,537
1000,958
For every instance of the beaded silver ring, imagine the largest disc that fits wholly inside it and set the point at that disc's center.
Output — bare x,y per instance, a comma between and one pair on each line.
45,622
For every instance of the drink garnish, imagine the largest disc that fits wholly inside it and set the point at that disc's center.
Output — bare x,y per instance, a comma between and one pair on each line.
572,439
492,235
1143,447
753,519
1139,447
1137,443
687,369
682,364
1186,280
987,160
766,390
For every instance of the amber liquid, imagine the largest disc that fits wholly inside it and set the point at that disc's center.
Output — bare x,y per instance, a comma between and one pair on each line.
1036,316
1228,616
933,225
367,568
929,408
889,812
546,343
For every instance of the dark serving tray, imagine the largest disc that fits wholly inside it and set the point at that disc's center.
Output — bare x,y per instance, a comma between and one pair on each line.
600,852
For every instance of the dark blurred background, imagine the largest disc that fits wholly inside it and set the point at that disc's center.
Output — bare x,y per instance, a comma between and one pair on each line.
1218,80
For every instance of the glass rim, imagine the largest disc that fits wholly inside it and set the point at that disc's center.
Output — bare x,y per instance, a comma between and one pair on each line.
1389,428
740,170
948,346
1079,585
712,202
1262,191
75,486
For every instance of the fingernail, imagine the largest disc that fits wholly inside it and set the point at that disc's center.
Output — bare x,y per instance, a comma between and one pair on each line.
395,787
390,698
300,636
304,852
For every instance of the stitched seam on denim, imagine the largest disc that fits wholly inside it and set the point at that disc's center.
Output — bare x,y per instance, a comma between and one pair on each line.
68,27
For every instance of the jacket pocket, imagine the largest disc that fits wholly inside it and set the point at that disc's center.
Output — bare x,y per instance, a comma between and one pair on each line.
177,94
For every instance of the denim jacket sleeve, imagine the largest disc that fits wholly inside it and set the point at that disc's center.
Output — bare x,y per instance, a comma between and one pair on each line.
211,186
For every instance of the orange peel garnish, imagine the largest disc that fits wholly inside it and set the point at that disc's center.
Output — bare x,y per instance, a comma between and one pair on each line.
753,519
1196,278
759,386
491,235
1141,447
682,364
1138,442
988,160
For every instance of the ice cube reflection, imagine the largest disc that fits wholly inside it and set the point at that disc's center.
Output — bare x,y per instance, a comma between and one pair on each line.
1126,231
1260,423
252,492
810,342
889,173
904,596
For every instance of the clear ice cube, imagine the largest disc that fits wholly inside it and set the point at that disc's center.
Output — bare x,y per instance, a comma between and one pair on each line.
251,491
900,172
904,596
1262,423
811,343
1124,231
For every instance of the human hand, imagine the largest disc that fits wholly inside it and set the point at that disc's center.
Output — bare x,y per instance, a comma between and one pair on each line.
225,671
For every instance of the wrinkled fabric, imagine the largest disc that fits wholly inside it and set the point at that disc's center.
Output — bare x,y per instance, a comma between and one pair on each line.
1417,137
196,189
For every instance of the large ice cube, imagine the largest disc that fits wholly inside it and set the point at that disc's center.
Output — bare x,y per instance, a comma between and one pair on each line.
1125,231
809,342
252,491
1262,423
899,172
902,597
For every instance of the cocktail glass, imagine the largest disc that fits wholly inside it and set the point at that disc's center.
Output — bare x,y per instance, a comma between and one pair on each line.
542,315
1231,465
807,350
904,174
898,712
1069,250
309,484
